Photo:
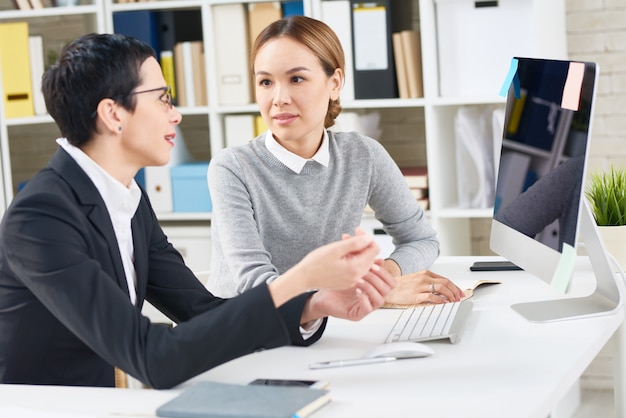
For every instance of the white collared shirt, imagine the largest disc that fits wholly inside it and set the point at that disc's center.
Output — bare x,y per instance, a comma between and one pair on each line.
294,161
121,203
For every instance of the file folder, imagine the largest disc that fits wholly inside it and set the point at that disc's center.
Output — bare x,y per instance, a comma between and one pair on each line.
141,24
374,68
15,64
230,26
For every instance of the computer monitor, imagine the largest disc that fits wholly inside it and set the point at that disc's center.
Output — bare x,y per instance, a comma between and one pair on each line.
540,212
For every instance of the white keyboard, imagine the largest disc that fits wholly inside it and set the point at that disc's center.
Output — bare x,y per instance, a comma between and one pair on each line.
432,322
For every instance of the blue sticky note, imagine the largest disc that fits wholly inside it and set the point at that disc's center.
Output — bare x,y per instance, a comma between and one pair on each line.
511,77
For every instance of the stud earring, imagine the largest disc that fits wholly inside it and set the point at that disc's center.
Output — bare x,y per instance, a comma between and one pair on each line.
119,128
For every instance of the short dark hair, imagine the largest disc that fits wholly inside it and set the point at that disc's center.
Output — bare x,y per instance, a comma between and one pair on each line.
91,68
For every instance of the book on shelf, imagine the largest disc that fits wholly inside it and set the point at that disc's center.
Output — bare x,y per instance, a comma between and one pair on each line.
190,73
22,4
416,177
167,66
424,203
419,192
230,26
219,400
259,125
336,14
260,15
401,67
199,86
179,75
35,49
15,58
412,52
36,4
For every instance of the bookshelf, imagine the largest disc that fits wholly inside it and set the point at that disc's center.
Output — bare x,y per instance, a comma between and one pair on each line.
416,131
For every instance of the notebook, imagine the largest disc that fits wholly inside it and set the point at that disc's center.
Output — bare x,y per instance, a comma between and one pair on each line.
223,400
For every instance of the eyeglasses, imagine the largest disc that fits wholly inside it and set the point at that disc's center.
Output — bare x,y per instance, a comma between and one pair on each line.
166,97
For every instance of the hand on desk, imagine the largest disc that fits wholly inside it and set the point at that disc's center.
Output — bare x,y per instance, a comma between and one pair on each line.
423,287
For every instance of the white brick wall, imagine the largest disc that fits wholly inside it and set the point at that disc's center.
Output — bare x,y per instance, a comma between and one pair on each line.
596,31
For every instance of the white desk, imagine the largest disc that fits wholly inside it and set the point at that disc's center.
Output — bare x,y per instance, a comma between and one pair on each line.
503,365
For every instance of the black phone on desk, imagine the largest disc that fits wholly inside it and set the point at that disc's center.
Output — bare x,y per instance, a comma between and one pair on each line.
314,384
494,266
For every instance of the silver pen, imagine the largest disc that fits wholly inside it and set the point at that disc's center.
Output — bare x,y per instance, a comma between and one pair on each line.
351,362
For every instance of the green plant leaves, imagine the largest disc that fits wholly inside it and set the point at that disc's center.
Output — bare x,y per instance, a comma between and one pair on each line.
606,192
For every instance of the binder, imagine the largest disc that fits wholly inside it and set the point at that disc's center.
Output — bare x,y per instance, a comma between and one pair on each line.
230,27
179,26
293,8
15,62
374,68
141,24
35,48
159,188
336,14
239,129
260,15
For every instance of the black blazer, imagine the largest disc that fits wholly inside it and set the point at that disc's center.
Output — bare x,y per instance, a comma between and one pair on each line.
65,311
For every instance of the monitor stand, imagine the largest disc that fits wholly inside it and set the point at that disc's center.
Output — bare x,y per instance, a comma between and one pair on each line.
607,296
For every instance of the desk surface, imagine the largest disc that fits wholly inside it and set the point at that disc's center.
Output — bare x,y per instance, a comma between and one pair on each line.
502,366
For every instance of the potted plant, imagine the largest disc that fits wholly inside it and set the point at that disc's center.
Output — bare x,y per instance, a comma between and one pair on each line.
606,193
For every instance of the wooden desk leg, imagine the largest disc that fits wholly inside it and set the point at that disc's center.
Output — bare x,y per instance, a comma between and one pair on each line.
619,377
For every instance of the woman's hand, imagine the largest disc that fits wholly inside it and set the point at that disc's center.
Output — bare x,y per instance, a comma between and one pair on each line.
355,302
424,287
339,265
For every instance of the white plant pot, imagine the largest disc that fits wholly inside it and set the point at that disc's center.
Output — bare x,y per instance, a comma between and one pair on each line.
614,239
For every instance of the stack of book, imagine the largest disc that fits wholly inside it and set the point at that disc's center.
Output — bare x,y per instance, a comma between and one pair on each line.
408,59
189,75
417,180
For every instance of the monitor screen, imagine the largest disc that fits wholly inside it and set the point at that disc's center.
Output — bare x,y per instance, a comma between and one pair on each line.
542,162
540,209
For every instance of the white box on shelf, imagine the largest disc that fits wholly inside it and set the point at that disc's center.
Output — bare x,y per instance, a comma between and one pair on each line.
477,39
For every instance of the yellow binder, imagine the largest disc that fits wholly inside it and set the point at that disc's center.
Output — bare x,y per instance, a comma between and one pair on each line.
15,65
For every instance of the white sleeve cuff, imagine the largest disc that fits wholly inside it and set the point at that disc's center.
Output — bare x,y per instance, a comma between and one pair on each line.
310,328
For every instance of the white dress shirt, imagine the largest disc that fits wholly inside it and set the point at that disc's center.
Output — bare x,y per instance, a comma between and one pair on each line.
294,161
121,203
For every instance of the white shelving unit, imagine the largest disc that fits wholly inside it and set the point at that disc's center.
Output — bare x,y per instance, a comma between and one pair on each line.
432,126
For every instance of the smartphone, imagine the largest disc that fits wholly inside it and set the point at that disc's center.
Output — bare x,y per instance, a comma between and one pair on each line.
493,266
314,384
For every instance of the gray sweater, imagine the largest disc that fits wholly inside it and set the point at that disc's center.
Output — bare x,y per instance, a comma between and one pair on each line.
266,218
